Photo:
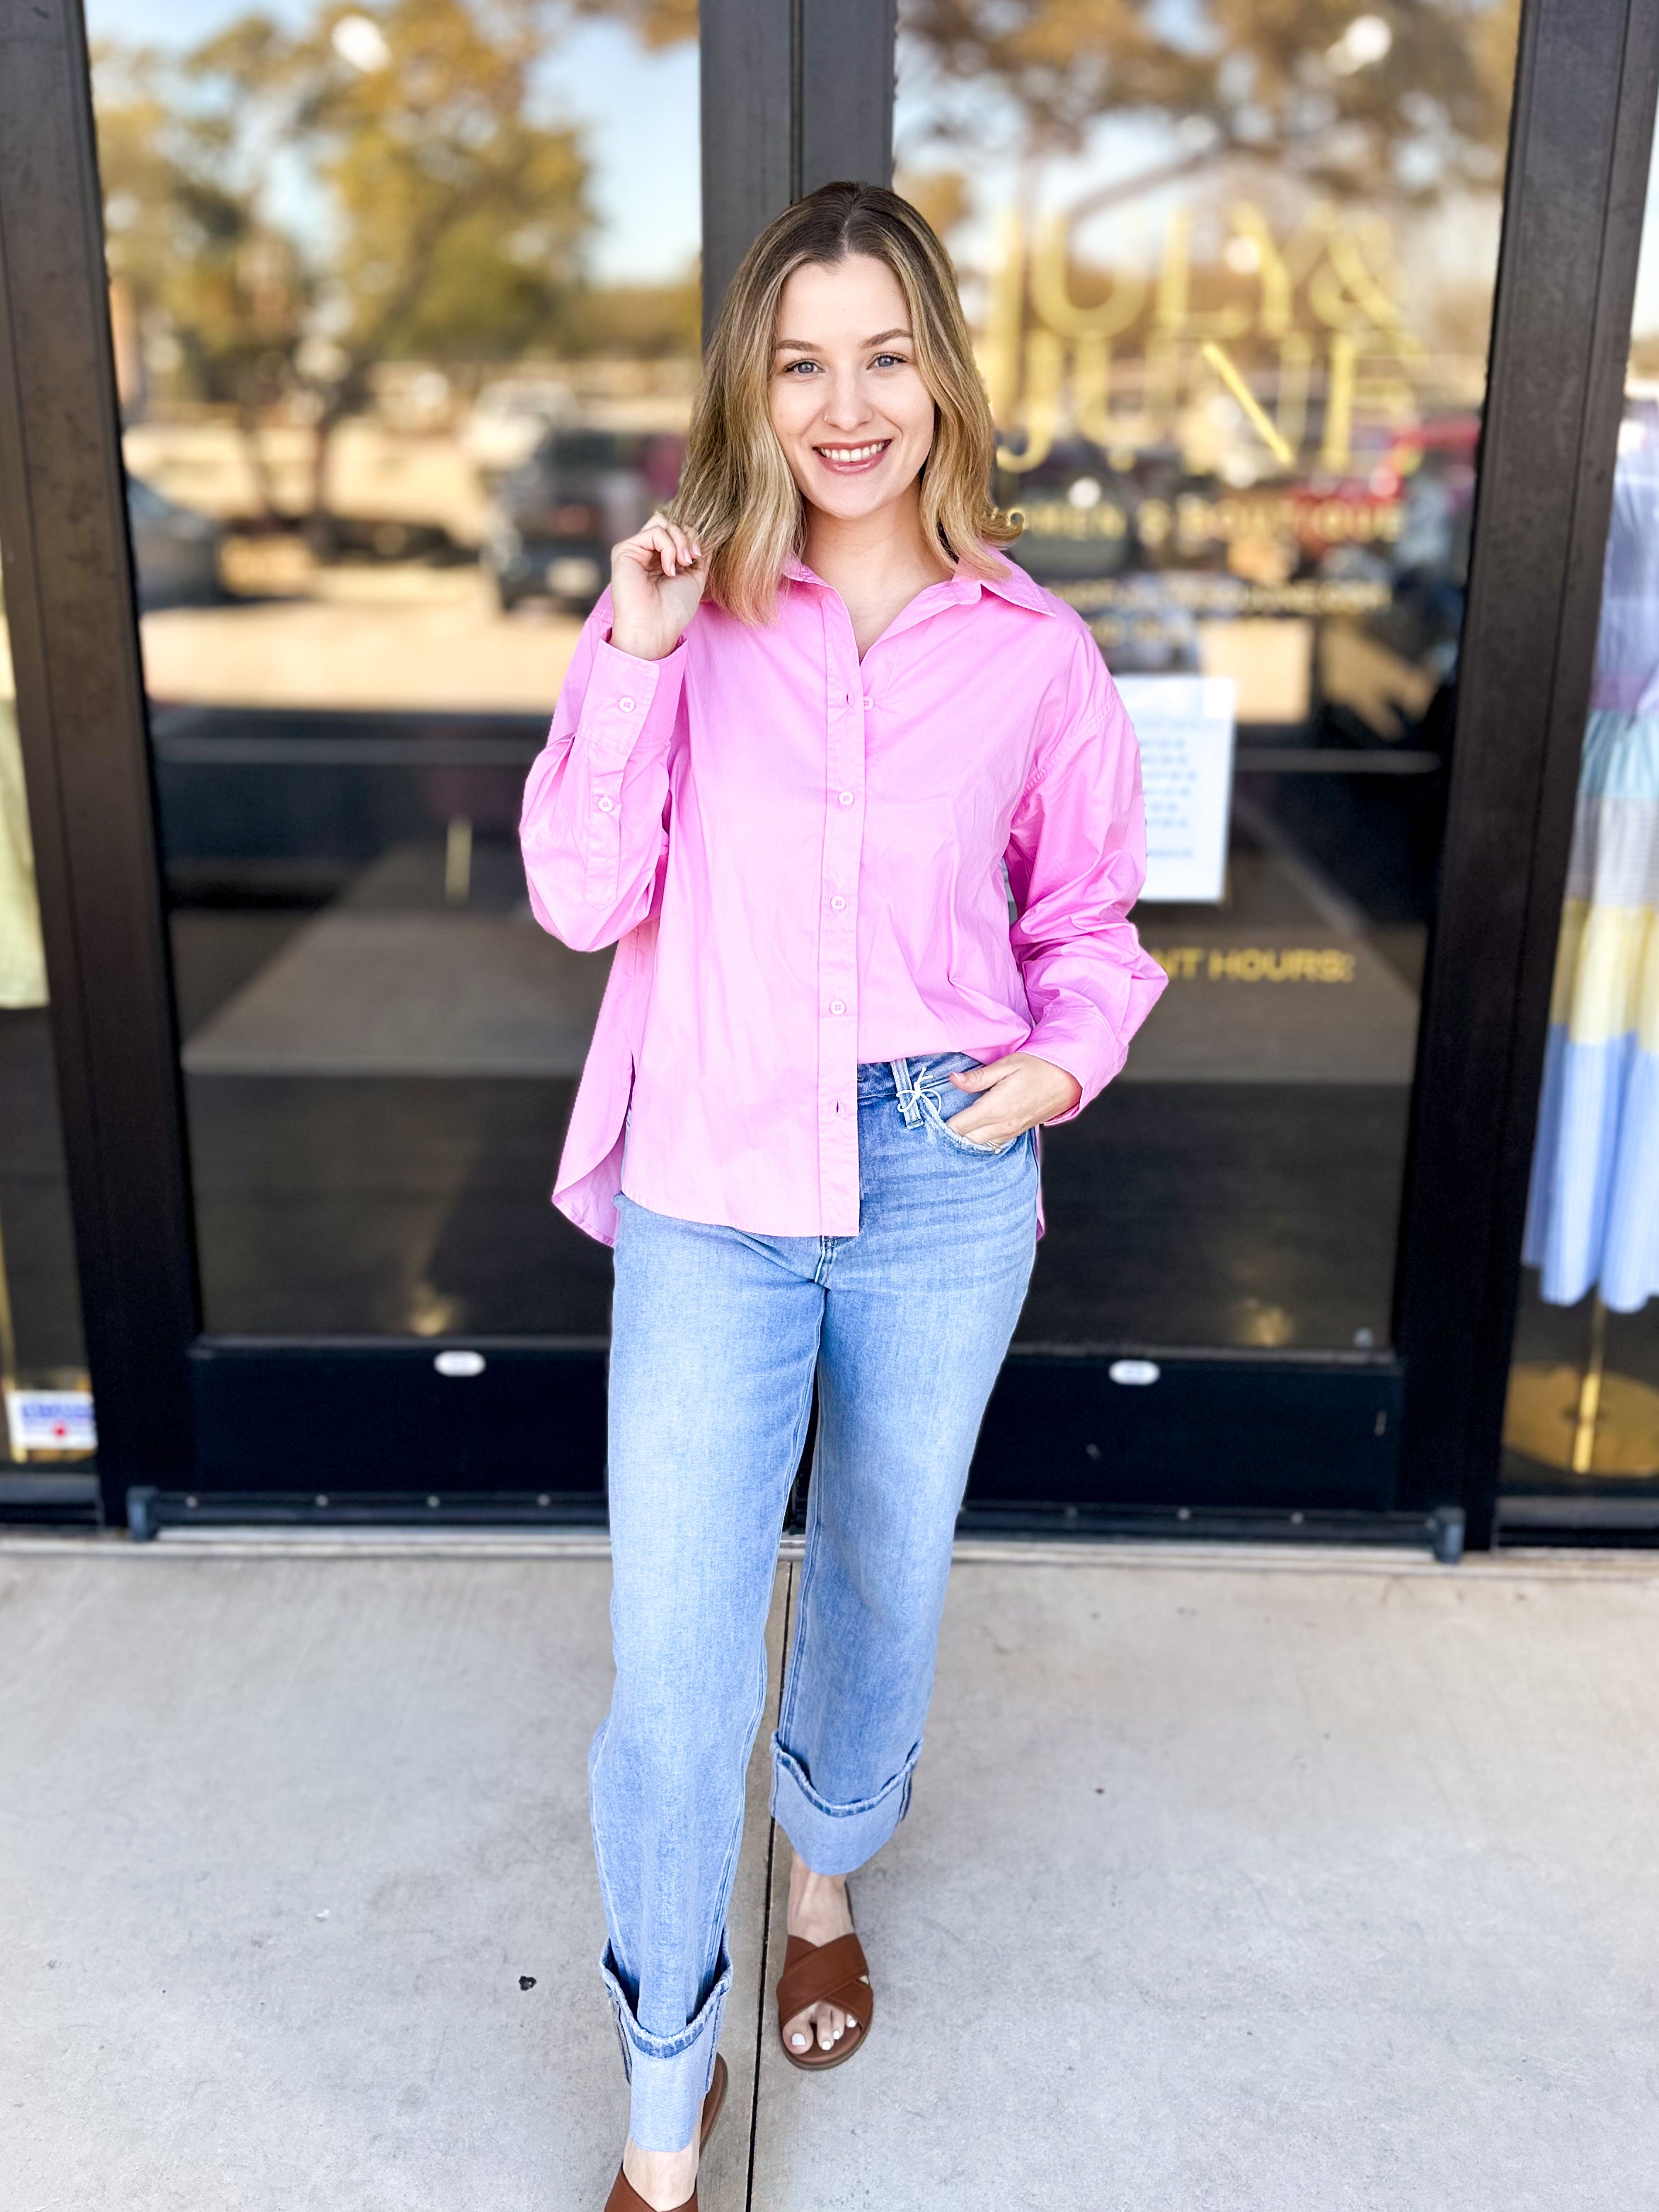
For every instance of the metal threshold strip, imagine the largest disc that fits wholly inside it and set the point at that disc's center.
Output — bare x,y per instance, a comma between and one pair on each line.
1561,1520
150,1511
61,1499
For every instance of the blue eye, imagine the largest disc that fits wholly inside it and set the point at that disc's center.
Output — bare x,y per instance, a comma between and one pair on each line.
890,361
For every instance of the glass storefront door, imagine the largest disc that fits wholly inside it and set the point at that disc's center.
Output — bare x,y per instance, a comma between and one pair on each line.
406,312
1231,275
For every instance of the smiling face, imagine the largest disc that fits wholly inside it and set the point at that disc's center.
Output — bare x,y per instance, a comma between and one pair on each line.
851,411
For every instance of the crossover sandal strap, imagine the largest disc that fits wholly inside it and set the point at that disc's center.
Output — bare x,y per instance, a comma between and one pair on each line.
826,1973
624,2197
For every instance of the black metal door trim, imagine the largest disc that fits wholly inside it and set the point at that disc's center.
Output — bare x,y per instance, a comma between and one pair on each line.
81,710
795,95
748,166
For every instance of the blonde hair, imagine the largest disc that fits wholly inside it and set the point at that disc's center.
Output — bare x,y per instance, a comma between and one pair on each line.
736,490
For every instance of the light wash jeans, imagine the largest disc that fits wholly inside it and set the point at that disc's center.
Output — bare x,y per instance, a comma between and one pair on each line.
716,1336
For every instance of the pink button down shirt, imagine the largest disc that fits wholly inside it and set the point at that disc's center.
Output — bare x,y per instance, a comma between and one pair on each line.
801,859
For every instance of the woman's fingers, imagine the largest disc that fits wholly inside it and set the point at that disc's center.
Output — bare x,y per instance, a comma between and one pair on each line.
673,548
1012,1095
684,547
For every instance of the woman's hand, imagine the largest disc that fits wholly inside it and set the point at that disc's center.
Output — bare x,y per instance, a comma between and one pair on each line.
657,578
1016,1093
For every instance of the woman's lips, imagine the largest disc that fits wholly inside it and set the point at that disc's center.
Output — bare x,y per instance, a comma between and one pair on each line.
852,460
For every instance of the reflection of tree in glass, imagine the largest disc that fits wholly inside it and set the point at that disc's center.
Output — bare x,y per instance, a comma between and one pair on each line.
439,214
222,293
1406,98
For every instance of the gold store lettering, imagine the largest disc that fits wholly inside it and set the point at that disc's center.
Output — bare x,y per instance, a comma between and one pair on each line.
1315,308
1255,963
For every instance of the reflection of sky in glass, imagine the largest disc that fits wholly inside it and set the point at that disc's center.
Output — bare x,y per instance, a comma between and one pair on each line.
637,110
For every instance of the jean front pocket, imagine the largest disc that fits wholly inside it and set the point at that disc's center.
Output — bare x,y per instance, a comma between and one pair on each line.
937,1121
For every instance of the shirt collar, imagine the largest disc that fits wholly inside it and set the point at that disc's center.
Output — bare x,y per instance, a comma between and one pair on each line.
1011,582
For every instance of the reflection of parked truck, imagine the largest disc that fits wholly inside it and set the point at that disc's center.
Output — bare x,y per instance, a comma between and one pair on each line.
556,517
175,550
509,420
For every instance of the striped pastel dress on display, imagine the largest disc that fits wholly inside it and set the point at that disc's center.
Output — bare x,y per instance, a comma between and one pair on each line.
1592,1211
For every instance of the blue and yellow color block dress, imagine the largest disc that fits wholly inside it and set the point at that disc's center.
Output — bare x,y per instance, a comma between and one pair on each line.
1593,1213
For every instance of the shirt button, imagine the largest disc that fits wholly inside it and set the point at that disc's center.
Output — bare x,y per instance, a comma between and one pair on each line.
838,902
837,1006
606,804
846,799
627,705
868,700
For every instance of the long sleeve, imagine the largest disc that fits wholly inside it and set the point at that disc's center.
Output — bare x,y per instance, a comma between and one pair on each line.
593,828
1077,860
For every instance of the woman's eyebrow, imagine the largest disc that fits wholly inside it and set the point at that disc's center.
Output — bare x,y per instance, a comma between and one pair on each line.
805,345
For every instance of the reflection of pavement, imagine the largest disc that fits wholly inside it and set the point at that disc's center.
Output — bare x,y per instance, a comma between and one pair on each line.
401,636
389,981
434,994
1275,1005
488,994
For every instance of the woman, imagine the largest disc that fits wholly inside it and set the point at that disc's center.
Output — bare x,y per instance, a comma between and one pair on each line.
818,743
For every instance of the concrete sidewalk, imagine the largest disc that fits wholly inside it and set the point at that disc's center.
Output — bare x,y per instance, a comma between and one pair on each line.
1240,1882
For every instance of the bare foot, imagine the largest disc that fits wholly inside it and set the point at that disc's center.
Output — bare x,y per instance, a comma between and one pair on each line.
819,1913
665,2179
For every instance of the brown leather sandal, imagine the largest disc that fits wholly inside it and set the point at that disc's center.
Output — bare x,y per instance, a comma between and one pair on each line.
624,2197
836,1973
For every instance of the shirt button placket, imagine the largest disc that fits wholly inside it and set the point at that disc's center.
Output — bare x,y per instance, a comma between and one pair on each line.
844,797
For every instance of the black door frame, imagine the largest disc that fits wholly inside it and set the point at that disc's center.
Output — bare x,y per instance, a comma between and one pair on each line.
795,92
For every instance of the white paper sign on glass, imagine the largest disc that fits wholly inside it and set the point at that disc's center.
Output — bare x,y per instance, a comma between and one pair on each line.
51,1421
1185,724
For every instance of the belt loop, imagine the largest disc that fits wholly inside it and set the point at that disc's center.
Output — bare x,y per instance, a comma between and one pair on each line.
909,1099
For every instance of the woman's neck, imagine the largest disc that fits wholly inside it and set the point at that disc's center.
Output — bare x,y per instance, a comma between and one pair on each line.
873,552
877,562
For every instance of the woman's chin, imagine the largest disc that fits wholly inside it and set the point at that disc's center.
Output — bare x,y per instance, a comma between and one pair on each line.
853,499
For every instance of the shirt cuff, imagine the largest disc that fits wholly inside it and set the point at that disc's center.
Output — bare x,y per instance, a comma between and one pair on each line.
622,695
1074,1057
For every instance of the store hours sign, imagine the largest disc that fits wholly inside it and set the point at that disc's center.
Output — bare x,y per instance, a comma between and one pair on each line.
1185,725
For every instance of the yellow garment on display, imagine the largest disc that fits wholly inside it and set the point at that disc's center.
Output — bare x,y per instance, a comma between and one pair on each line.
1606,974
23,957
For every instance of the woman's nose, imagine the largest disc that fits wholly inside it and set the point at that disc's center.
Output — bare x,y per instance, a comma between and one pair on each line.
848,404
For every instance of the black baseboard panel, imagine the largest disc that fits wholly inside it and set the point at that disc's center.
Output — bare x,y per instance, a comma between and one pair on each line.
1108,1429
359,1416
1173,1430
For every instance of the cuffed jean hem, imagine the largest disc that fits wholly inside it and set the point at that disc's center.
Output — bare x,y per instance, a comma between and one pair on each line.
668,2075
835,1839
